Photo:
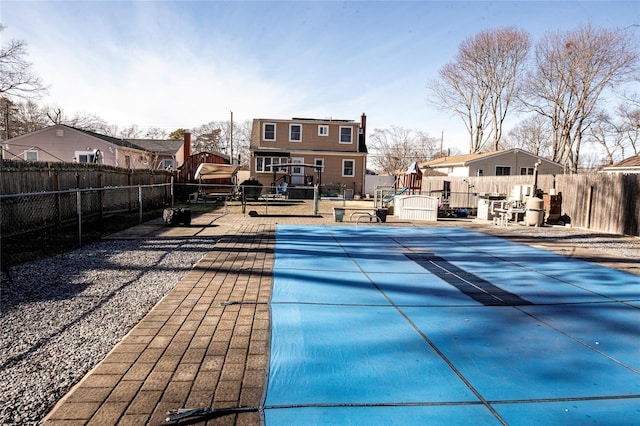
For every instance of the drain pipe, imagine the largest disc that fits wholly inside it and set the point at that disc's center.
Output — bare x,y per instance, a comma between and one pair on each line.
535,178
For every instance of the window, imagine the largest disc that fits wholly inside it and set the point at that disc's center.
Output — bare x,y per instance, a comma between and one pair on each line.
31,155
503,170
323,130
319,162
267,165
263,164
348,168
84,156
345,134
295,133
269,131
480,172
526,171
167,164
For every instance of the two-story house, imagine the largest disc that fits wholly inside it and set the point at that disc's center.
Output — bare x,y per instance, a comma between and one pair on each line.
304,152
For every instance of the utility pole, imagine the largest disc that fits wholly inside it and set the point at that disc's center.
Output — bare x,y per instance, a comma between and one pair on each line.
231,139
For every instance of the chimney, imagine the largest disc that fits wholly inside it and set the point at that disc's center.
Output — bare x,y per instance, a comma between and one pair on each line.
363,132
187,144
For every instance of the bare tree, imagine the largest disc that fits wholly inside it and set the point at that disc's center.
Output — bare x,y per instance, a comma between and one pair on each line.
155,133
532,135
630,126
241,139
570,74
29,117
619,136
209,137
131,132
603,133
89,122
17,80
457,91
222,136
480,84
396,148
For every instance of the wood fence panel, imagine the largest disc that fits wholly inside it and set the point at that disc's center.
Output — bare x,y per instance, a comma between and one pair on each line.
19,177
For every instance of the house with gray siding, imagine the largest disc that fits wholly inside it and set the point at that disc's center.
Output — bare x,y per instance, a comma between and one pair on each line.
508,162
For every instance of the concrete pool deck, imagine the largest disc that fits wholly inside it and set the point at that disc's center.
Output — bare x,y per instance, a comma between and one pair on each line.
206,344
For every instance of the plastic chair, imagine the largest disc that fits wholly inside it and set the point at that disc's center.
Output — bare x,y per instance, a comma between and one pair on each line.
282,189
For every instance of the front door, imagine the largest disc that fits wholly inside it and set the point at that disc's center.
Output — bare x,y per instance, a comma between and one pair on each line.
297,172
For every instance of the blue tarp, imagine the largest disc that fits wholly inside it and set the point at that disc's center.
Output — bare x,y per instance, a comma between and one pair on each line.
389,325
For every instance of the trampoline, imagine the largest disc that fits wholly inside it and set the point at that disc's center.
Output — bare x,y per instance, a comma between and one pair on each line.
389,325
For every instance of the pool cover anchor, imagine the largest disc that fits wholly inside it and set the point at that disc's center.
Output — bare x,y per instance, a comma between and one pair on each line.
183,413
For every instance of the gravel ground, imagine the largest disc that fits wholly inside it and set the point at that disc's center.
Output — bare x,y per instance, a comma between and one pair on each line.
60,316
606,245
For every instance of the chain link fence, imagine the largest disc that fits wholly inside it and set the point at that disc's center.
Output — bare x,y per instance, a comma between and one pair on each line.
33,223
40,224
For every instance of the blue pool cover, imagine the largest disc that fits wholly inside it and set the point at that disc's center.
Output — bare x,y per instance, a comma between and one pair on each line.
390,325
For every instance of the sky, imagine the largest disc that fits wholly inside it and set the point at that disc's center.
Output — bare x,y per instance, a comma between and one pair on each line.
182,64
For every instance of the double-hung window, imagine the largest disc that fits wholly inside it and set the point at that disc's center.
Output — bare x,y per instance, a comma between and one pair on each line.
348,168
295,132
269,131
346,134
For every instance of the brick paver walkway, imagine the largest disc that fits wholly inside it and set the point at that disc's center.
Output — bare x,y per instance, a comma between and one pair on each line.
203,345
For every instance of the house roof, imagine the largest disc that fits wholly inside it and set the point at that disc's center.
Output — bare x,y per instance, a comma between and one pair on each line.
627,163
160,146
460,160
116,141
464,160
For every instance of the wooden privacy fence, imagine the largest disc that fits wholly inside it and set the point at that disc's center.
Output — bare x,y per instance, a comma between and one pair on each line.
18,177
603,202
38,196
